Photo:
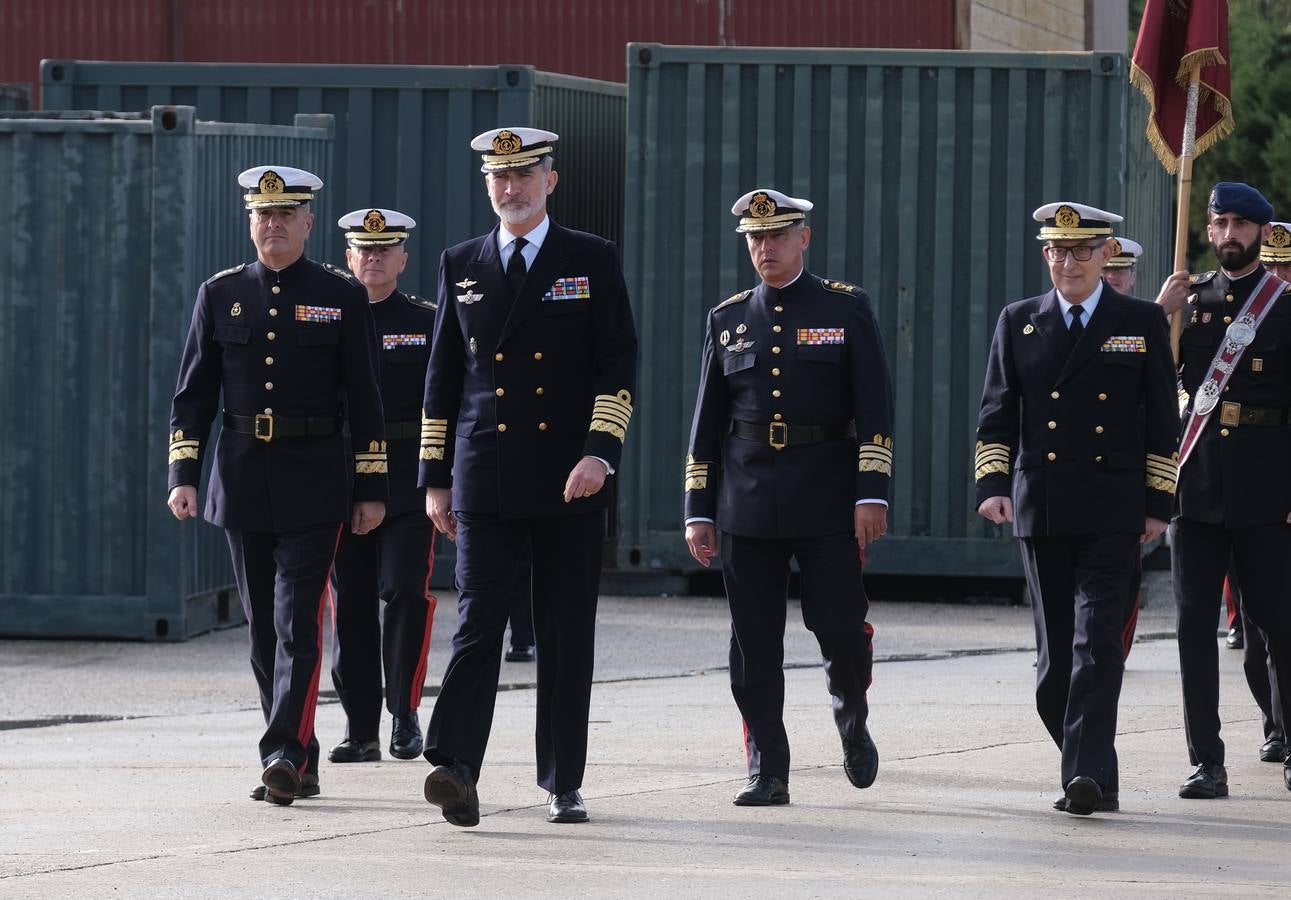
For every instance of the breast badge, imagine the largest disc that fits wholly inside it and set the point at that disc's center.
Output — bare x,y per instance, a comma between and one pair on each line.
236,310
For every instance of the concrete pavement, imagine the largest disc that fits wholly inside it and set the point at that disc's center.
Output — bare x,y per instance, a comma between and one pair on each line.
153,803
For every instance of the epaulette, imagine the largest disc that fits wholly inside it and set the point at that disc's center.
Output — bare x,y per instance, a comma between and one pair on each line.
231,270
340,273
424,302
1201,278
841,287
734,298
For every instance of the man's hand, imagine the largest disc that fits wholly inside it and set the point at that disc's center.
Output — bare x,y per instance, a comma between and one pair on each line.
183,502
439,508
701,538
998,509
586,479
366,516
1152,529
1174,292
870,521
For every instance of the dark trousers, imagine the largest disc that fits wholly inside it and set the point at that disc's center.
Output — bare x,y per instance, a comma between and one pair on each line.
391,564
1082,592
1261,558
566,553
834,605
521,615
282,580
1257,664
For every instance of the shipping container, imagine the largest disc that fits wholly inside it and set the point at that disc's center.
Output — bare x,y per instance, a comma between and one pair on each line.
402,134
570,36
924,168
122,217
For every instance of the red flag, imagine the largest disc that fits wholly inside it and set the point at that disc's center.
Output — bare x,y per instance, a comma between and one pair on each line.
1177,37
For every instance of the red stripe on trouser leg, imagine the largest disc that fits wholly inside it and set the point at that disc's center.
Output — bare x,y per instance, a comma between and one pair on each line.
748,757
423,659
869,649
1131,623
1230,601
306,731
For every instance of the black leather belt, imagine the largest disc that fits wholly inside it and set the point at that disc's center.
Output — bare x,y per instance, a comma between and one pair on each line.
781,434
397,431
1242,414
268,427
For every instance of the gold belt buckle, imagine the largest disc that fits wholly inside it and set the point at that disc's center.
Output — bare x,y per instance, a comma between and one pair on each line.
1230,413
778,440
264,427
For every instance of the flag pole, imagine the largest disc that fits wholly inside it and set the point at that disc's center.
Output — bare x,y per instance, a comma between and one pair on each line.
1185,190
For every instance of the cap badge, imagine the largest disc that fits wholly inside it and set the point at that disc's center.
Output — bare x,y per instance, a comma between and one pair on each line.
374,221
271,183
506,143
1116,247
1066,217
761,206
236,310
1280,237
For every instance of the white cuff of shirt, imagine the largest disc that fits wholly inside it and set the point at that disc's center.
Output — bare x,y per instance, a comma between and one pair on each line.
693,519
609,469
872,500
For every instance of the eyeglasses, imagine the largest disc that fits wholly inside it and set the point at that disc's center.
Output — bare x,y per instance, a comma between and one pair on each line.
1083,253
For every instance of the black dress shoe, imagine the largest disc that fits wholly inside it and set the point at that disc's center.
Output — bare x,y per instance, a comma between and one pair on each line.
452,789
1274,751
1208,782
308,788
352,751
1110,803
763,790
1236,640
1286,774
405,737
282,780
525,653
861,759
566,807
1083,796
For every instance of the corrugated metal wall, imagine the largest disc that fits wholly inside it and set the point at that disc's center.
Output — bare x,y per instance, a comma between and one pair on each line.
122,220
402,133
924,168
576,37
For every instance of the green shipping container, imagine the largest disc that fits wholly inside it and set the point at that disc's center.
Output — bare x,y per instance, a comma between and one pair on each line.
118,219
402,134
924,167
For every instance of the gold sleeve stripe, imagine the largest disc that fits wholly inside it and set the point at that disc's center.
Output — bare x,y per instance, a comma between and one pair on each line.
611,413
181,453
992,468
1157,483
697,483
432,453
371,467
992,459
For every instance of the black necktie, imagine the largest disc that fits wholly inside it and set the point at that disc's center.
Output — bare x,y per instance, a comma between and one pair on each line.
516,268
1077,325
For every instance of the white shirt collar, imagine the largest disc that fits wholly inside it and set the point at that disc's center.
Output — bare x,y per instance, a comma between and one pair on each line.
535,237
791,280
1089,305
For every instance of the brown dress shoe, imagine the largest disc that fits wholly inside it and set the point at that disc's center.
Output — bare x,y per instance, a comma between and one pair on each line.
282,781
308,788
452,789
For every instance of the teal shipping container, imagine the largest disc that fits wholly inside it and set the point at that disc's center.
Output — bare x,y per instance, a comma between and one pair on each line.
118,219
402,134
924,167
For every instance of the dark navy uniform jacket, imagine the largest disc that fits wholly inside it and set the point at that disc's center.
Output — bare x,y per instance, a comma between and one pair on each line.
1083,439
404,324
1237,474
806,354
293,353
519,390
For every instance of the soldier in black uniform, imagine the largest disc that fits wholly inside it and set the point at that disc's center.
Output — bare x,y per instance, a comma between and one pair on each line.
1235,484
283,338
527,402
393,562
790,458
1076,447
